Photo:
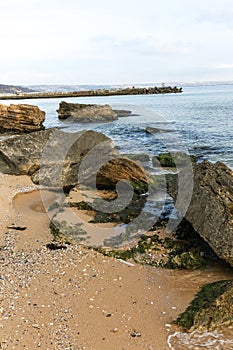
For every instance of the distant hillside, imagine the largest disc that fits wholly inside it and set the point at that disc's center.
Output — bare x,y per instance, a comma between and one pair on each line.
12,89
69,88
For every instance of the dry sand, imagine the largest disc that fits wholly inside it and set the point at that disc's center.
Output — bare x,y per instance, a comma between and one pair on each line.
76,298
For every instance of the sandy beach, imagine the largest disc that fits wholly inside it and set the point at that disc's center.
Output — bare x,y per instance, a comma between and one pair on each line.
76,298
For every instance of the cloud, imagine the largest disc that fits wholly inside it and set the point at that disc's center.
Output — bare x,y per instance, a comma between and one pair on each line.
145,46
223,66
214,12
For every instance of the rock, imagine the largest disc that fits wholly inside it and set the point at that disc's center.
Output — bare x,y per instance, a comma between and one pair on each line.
21,118
121,169
21,154
172,160
86,113
52,156
140,157
151,130
122,112
212,308
210,211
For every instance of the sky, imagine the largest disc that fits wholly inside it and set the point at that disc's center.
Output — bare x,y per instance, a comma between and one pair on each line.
115,42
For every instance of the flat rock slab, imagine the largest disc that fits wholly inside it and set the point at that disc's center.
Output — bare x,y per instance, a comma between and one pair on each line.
86,113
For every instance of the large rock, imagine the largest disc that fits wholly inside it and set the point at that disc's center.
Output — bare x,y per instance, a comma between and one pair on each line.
21,154
53,157
212,308
58,159
21,118
211,207
86,112
119,169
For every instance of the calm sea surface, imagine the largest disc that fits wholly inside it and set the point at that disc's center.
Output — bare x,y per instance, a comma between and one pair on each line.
200,121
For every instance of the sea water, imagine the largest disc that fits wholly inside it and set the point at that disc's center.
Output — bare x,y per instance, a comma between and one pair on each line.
215,340
199,121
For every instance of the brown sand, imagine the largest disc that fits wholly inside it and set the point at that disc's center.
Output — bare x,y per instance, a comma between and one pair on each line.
76,298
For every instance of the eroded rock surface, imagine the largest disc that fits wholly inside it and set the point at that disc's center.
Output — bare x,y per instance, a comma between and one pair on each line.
21,118
86,112
210,211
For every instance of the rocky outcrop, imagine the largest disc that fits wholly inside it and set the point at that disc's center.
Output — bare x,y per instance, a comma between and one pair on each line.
212,308
210,211
53,157
86,113
20,118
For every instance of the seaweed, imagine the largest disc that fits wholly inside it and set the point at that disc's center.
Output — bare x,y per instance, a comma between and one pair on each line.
203,301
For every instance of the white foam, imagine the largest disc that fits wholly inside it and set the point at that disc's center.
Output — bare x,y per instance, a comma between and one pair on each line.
199,341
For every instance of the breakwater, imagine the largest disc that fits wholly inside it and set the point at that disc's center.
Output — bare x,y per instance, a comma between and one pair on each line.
89,93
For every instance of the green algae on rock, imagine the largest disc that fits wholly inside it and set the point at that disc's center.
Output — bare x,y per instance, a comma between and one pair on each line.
211,308
172,160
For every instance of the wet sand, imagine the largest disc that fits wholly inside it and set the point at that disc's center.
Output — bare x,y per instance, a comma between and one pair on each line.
76,298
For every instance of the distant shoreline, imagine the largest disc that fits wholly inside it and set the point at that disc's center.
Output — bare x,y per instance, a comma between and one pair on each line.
89,93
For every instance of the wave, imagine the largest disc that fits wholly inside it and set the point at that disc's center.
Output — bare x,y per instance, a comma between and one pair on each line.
200,341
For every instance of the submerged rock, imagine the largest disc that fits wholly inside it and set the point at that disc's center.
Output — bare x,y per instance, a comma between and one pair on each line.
173,160
140,157
210,211
86,113
150,130
122,112
21,118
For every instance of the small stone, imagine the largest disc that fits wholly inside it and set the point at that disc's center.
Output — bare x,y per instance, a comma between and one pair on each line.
135,334
114,330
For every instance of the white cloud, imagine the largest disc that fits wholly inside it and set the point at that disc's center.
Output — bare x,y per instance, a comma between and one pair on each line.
223,66
108,41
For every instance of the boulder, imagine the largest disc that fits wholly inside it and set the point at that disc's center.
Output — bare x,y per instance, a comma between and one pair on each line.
21,154
21,118
105,172
52,157
119,169
210,211
86,113
212,308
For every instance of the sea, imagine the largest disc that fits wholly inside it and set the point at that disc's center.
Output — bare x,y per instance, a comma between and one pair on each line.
198,121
